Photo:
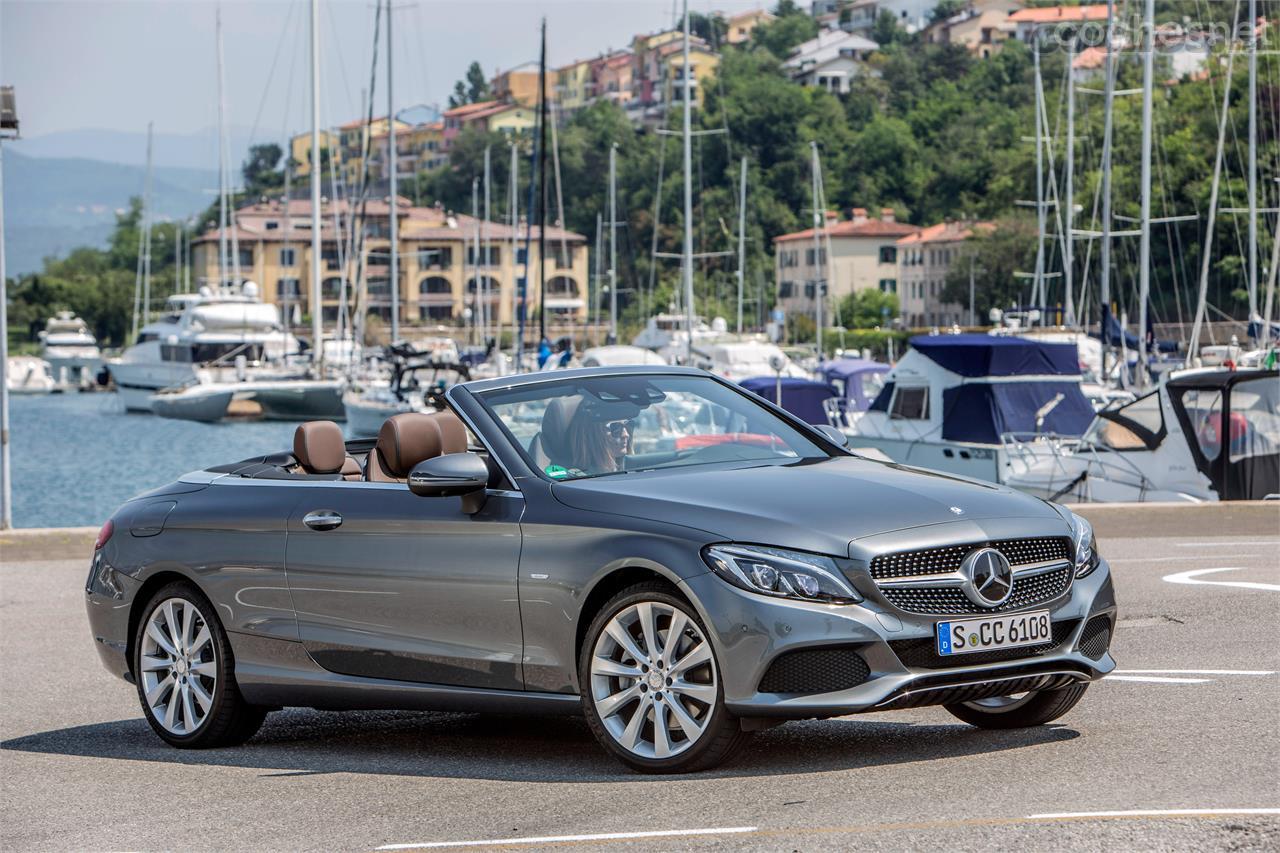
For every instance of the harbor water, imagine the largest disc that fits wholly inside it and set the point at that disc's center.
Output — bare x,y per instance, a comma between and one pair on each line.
76,457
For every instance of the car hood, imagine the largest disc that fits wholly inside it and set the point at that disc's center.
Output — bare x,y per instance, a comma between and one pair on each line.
818,506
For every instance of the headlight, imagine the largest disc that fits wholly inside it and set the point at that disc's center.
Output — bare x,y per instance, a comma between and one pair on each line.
783,574
1083,545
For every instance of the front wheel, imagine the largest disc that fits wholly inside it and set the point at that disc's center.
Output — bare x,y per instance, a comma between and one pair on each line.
1021,710
651,686
185,673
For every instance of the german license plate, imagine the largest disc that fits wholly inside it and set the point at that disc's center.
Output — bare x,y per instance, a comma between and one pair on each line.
984,633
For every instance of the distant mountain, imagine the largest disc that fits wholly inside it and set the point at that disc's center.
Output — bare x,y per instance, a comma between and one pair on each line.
54,204
197,150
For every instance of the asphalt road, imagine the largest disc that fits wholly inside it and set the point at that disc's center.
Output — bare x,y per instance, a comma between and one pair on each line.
1192,724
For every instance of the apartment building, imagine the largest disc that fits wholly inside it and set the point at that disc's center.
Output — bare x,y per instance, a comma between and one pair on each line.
300,152
441,273
830,61
925,258
864,255
739,28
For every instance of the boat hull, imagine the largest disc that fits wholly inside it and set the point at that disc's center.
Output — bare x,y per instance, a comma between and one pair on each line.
967,460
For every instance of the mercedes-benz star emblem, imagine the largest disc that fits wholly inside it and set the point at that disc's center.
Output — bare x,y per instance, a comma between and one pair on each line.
988,579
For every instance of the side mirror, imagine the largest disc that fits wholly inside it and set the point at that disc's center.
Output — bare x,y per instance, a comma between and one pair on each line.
833,435
452,475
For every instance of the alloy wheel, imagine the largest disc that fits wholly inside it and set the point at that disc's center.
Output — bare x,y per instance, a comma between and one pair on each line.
178,666
653,680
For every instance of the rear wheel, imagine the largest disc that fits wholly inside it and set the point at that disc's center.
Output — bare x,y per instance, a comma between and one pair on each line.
185,673
1020,710
651,687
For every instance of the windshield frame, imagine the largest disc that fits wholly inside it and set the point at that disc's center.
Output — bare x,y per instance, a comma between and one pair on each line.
519,453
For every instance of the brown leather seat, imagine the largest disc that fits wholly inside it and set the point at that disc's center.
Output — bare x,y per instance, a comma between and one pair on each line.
404,441
320,449
453,433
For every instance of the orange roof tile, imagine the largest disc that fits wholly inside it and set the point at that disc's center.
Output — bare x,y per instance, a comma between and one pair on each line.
1059,14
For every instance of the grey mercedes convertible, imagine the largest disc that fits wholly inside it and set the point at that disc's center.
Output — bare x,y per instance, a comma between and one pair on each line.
659,550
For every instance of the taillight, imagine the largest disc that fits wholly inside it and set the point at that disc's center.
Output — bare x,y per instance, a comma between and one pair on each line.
104,535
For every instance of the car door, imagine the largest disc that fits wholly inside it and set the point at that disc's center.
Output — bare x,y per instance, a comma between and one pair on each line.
387,584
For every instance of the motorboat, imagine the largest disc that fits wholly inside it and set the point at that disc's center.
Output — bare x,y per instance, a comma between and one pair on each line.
27,374
71,350
807,399
209,337
741,360
1201,435
618,355
1101,389
415,377
856,383
290,399
668,336
952,401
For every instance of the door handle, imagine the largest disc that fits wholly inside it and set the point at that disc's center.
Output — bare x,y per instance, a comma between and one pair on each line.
322,519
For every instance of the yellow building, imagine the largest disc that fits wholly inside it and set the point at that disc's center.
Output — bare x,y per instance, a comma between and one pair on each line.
738,28
519,85
351,141
441,274
574,87
300,152
671,62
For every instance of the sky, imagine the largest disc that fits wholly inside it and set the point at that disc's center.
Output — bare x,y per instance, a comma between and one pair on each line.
117,64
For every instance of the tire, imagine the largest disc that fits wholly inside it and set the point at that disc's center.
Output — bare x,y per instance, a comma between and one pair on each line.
195,702
1031,709
626,690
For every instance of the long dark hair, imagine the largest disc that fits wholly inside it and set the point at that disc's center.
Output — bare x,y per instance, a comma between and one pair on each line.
589,444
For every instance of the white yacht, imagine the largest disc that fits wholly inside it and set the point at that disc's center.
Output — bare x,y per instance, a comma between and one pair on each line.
741,360
666,335
1202,435
953,401
26,374
208,337
71,350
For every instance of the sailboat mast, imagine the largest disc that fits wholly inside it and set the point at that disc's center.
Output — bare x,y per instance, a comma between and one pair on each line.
1253,158
613,243
1144,238
514,192
146,236
687,137
394,209
742,235
542,187
599,276
1068,238
317,334
477,292
818,216
484,229
222,160
1037,285
1109,96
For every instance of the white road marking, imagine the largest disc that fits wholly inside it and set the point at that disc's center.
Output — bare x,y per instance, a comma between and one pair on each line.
1156,678
1192,577
1220,544
1196,671
1168,559
553,839
1154,813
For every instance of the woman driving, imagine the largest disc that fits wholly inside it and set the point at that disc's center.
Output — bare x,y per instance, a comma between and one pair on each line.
599,439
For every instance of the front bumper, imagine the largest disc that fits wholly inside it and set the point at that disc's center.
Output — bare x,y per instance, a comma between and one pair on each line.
751,632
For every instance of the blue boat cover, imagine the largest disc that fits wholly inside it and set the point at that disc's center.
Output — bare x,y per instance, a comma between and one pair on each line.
981,411
1112,336
989,355
849,373
801,397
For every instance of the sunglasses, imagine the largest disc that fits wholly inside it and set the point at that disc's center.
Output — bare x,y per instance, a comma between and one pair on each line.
617,428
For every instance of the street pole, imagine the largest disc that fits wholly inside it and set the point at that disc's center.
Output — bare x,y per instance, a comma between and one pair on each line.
1109,89
687,137
1253,159
818,216
484,231
613,244
1037,287
1068,256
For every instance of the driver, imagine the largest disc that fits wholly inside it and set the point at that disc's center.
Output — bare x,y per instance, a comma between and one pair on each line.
600,437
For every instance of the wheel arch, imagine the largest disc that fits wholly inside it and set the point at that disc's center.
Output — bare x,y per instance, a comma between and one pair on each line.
154,581
612,580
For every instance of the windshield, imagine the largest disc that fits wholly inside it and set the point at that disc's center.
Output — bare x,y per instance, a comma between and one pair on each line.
600,425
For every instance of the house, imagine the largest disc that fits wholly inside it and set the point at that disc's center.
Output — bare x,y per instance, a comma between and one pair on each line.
924,260
519,85
831,60
420,147
574,88
352,139
981,27
455,119
738,28
1029,22
440,273
612,76
300,152
864,255
860,16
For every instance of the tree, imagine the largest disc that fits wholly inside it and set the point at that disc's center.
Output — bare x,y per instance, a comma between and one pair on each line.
790,27
996,255
946,9
261,170
866,309
472,89
710,28
886,31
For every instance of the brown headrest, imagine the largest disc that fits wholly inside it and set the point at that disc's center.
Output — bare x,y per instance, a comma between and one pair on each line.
319,448
407,439
555,427
453,434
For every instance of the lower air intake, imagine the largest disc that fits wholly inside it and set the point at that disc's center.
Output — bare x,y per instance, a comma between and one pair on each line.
1096,638
815,671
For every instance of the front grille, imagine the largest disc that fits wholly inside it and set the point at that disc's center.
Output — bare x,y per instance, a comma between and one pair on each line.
1027,591
929,561
922,653
974,692
1096,638
815,671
